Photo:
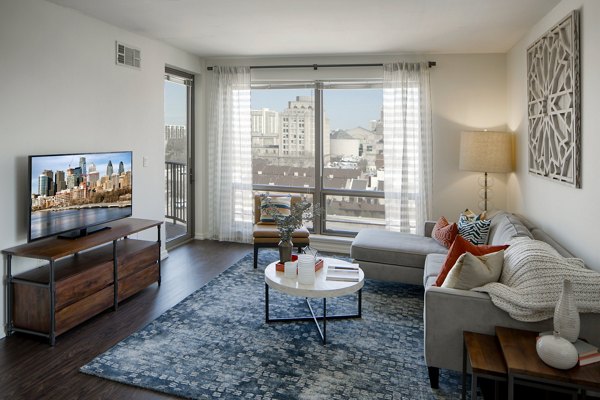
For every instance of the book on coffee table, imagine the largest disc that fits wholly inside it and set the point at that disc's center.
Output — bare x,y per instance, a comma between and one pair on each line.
343,272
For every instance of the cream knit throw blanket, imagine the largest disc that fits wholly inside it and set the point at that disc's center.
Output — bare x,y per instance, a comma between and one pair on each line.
532,279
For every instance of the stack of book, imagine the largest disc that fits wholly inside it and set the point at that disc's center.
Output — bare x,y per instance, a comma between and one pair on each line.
588,354
342,272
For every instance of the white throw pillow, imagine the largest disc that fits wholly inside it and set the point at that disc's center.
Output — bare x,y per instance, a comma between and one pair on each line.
471,271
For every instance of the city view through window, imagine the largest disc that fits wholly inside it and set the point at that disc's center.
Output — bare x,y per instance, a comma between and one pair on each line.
349,183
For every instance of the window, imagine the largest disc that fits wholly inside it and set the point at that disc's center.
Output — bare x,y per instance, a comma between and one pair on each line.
328,163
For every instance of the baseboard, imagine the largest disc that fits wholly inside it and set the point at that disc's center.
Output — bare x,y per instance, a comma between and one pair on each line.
200,236
163,254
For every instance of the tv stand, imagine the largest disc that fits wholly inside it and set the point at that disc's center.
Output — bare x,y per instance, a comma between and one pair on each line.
83,277
77,233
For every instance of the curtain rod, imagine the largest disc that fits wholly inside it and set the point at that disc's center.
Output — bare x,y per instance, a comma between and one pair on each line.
317,66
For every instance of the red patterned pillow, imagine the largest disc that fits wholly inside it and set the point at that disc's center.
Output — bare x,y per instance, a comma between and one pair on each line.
444,232
459,247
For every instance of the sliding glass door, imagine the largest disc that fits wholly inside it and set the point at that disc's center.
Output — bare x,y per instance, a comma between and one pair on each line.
179,129
323,140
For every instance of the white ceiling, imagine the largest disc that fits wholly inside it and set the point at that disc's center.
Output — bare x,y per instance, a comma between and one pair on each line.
216,28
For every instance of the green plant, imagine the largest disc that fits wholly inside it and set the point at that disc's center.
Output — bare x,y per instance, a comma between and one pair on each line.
300,212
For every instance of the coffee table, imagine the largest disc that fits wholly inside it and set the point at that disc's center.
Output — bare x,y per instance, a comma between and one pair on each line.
322,288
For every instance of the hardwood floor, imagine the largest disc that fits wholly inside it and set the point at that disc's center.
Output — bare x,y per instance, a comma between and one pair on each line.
31,369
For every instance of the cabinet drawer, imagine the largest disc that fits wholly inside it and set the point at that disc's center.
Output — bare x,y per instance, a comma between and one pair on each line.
138,281
135,255
88,282
85,309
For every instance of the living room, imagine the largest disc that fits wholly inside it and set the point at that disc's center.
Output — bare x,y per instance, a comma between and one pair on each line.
63,93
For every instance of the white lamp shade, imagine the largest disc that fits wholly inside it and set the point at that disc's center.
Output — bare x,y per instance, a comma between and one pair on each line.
484,151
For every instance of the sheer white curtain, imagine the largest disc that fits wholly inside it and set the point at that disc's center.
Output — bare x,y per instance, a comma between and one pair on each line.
407,146
230,155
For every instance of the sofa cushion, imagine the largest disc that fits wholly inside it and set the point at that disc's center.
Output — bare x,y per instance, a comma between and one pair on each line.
459,247
475,232
393,248
274,204
444,232
473,271
433,265
505,227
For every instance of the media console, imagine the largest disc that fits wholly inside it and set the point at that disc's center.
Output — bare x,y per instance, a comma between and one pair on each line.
83,277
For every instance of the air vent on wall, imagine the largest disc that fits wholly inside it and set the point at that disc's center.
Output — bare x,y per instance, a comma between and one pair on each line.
128,56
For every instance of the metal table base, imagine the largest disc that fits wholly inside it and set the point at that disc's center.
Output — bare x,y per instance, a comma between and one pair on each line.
314,317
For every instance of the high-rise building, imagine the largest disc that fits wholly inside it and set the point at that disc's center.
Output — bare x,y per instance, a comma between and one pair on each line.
266,133
74,177
93,175
115,181
45,186
83,166
109,169
121,167
298,128
59,181
175,144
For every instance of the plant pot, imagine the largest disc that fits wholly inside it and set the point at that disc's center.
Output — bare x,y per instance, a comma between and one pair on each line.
285,250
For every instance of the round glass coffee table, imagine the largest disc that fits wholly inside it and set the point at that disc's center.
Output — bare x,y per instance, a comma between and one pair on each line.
322,288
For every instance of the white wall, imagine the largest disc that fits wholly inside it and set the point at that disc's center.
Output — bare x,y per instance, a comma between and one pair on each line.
568,214
61,92
468,92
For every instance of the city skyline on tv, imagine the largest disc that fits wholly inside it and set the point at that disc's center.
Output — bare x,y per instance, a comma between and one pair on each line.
61,162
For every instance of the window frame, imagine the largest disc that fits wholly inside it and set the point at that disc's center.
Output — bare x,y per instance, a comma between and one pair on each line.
318,191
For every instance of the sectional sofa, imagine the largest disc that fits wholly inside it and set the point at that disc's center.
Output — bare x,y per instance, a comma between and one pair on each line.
414,259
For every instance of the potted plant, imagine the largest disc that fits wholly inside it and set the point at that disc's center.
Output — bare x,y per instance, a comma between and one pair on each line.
300,212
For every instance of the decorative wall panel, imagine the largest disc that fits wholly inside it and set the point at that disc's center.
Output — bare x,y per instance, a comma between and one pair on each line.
553,92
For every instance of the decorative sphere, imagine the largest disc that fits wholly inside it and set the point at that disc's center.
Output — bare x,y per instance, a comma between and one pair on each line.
557,352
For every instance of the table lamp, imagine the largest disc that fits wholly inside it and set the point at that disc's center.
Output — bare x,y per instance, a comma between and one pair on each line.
484,151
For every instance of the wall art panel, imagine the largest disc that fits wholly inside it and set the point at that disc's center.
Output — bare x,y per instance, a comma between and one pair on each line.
553,90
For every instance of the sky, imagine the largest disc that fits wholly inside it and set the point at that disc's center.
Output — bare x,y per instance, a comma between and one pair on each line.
175,103
345,108
62,162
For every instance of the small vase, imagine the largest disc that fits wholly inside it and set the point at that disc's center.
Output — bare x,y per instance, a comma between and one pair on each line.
290,269
566,316
285,250
306,269
557,352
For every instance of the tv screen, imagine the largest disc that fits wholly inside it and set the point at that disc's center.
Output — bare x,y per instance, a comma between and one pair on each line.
74,192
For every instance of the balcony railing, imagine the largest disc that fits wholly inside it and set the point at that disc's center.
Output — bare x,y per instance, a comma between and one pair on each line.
176,192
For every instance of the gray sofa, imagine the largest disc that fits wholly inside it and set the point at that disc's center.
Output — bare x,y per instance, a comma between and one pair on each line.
448,312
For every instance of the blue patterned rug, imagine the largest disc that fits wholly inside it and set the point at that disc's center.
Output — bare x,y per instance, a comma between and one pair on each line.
216,344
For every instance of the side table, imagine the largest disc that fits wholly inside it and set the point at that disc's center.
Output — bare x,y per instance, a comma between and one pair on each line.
525,367
485,357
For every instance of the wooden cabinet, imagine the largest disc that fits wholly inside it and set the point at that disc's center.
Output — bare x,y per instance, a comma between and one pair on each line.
83,277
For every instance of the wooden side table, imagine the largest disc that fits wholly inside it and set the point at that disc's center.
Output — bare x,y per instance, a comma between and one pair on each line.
485,357
525,367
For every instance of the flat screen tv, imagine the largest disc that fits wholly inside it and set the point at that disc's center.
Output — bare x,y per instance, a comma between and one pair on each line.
72,195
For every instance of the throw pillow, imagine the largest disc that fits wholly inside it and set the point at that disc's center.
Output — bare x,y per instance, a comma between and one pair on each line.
282,204
471,271
459,247
475,231
471,216
443,232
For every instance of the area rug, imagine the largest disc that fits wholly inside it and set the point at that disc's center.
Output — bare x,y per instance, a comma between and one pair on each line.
216,344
